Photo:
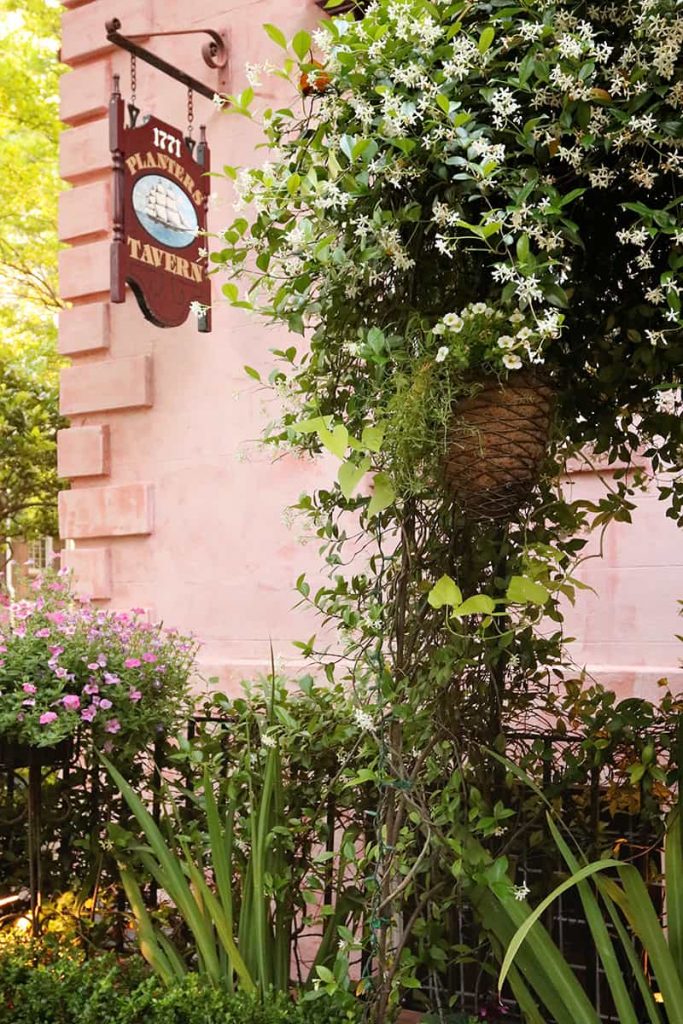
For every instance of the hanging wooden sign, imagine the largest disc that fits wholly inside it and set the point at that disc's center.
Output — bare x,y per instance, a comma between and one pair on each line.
159,220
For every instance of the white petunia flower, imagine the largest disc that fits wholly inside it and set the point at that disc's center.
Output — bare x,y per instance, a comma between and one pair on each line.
453,322
442,354
511,361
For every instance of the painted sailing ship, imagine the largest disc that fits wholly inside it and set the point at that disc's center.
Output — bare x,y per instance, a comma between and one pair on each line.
161,206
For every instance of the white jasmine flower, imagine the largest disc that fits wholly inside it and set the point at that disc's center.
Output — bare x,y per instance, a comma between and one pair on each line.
268,741
197,309
504,103
218,100
442,354
253,72
520,892
363,720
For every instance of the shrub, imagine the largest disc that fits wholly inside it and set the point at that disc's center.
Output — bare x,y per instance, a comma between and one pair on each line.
45,985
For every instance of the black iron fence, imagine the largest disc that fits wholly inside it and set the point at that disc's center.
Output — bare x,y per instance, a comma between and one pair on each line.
59,843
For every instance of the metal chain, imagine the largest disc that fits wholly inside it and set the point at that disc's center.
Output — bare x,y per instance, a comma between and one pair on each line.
190,111
133,79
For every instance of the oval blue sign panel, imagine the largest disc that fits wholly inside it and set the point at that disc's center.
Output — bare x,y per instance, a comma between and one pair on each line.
165,211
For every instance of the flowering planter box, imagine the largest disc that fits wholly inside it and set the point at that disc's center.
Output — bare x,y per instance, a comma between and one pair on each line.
23,755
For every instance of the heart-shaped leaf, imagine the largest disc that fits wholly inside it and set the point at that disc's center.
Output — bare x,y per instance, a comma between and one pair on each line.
336,441
372,437
478,604
525,591
445,592
350,475
383,494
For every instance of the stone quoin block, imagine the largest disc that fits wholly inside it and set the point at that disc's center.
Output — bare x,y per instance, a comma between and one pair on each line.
85,270
83,329
91,569
85,210
83,451
83,31
84,92
104,386
84,150
120,511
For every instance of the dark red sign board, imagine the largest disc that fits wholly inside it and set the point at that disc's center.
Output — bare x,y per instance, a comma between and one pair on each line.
159,225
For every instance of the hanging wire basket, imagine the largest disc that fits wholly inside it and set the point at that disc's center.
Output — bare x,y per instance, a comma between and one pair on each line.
497,443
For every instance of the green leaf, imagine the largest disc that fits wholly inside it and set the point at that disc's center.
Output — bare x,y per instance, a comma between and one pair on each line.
556,295
383,494
372,437
522,590
336,441
301,44
478,604
674,886
443,102
231,291
276,35
486,38
601,938
311,426
251,372
445,592
350,475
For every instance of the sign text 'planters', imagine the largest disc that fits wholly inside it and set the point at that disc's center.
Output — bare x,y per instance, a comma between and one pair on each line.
159,223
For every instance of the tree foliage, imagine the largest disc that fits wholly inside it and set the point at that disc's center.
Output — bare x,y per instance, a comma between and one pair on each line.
29,300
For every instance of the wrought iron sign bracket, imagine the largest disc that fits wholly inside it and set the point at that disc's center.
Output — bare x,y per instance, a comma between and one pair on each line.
214,52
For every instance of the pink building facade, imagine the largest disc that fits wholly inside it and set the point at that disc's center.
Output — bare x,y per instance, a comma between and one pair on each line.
172,505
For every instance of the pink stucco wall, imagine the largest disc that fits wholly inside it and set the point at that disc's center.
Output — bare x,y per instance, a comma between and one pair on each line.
164,512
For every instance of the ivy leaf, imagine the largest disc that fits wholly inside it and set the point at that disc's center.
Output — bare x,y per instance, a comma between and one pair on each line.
445,592
301,44
383,494
372,437
336,441
350,475
276,35
525,591
478,604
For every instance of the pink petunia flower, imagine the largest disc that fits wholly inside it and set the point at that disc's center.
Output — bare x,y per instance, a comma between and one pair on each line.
43,633
71,702
29,688
135,696
132,663
113,725
88,714
47,718
148,656
105,704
